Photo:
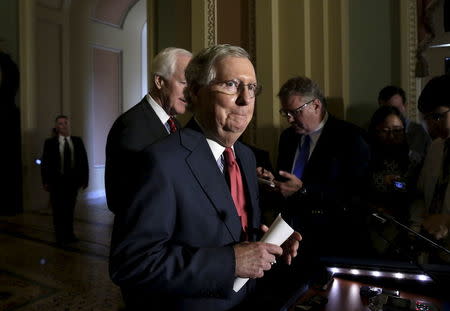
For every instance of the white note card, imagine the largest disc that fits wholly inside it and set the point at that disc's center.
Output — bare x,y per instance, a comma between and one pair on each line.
277,234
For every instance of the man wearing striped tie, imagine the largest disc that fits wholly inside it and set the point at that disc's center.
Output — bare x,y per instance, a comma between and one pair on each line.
148,121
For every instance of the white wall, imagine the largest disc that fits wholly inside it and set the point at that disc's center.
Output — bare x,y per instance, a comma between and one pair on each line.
88,35
58,40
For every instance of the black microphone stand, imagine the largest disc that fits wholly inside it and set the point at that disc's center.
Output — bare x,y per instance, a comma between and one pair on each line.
395,221
384,218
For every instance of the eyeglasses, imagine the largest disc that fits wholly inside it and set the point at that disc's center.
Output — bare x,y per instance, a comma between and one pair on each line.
292,113
436,116
233,87
396,131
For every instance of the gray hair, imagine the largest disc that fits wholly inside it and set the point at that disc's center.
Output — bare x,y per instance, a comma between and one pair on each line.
164,63
201,69
301,86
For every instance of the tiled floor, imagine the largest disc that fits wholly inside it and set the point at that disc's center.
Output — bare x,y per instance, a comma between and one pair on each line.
36,274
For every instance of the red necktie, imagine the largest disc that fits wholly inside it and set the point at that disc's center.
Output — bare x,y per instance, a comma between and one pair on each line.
236,186
172,125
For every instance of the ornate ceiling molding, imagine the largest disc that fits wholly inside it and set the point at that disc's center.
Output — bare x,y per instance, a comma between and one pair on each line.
112,13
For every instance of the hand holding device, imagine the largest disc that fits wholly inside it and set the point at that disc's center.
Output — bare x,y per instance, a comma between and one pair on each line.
399,185
266,182
265,177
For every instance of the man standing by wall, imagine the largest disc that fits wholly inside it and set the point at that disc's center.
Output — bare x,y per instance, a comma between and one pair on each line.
64,171
146,122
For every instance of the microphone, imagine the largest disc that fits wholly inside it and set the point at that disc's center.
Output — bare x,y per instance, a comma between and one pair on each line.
384,218
438,279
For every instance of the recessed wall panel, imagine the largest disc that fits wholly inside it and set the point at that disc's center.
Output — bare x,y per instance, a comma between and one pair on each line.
51,4
106,97
49,77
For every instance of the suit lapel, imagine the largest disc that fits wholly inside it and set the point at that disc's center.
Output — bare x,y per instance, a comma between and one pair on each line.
55,151
155,124
204,168
321,148
290,148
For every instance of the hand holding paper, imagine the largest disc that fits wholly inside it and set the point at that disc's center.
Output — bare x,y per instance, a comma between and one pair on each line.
277,234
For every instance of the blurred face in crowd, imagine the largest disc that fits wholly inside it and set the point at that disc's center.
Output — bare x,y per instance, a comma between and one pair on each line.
303,113
433,128
438,122
62,126
397,102
391,131
225,107
173,101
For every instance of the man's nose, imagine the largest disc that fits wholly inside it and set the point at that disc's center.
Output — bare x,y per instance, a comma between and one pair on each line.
244,97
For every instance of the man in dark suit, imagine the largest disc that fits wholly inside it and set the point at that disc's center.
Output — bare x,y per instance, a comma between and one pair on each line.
322,163
64,171
146,122
191,226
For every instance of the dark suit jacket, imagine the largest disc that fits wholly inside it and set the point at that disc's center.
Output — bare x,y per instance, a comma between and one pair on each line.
335,177
134,130
51,162
171,248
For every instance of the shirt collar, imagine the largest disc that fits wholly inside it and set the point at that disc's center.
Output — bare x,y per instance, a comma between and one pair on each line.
160,112
216,148
316,133
61,138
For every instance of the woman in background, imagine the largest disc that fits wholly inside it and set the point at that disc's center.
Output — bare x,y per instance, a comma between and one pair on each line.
394,170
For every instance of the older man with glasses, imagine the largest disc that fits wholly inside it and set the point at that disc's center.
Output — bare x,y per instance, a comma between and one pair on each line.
153,118
322,166
194,219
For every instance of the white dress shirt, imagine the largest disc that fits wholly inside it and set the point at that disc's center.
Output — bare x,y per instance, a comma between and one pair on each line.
217,151
61,149
160,112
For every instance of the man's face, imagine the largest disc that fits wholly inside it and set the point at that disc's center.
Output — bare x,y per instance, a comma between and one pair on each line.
395,101
172,89
306,119
441,121
224,116
433,128
62,126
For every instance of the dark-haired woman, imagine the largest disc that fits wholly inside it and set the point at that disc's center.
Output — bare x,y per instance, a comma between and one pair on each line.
394,171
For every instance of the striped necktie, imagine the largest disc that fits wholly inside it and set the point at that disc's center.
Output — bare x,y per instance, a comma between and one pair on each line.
172,125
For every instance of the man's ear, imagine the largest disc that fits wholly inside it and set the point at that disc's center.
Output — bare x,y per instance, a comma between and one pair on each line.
159,81
317,104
